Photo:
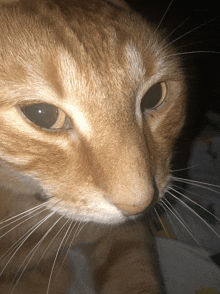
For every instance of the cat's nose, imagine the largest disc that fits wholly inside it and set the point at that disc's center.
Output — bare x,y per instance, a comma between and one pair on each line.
132,209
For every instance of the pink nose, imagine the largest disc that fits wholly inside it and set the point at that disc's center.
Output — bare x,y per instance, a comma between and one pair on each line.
132,209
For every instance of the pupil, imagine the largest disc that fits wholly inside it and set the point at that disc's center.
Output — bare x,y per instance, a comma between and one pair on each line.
42,114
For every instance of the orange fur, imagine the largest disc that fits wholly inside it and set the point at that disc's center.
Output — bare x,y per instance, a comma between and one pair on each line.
93,60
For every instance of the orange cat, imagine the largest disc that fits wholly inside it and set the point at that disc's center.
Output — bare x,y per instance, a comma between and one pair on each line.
92,99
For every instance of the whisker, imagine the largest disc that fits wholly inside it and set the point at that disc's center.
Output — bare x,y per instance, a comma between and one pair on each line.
183,223
186,168
182,23
33,251
7,253
170,209
20,223
71,242
76,234
183,203
25,213
17,242
201,196
53,237
161,203
192,52
162,18
188,32
194,201
194,43
162,223
55,259
197,183
68,248
37,226
69,235
170,220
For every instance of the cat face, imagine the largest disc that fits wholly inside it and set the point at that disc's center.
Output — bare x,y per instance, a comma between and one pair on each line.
91,103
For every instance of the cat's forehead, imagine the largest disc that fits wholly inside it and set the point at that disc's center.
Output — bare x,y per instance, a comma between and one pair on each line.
89,51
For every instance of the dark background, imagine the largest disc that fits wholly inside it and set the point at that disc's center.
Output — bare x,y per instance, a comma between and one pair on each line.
203,69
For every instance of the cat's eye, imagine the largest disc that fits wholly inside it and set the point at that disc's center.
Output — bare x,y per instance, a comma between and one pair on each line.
45,115
154,96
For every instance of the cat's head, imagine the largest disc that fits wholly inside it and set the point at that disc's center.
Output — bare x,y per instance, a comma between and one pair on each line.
92,99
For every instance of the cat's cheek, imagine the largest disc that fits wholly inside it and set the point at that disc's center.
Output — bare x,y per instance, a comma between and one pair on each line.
17,182
92,207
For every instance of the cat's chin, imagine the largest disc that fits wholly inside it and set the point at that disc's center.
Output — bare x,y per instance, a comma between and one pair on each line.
108,218
109,214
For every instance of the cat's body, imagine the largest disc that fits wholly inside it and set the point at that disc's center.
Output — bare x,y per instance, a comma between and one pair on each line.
101,159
